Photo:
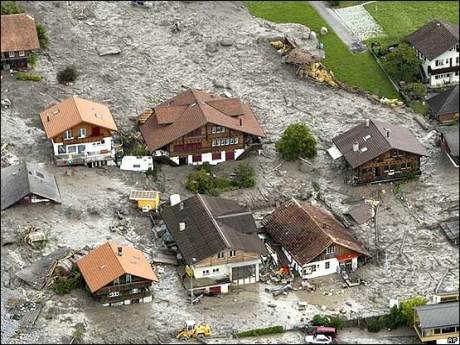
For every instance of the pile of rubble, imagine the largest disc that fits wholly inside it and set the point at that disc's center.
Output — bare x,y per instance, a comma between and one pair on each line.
7,157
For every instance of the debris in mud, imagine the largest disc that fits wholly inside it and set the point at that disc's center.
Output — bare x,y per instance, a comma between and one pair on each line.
108,50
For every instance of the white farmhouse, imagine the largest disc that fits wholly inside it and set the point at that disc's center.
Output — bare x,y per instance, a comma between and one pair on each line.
437,48
311,241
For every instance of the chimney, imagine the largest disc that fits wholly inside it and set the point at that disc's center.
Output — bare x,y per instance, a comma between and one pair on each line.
368,122
181,226
355,146
120,251
174,199
241,122
181,206
47,118
387,132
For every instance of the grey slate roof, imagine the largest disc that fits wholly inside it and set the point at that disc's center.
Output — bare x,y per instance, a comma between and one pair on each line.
21,180
445,102
361,213
451,133
211,225
434,38
438,315
400,138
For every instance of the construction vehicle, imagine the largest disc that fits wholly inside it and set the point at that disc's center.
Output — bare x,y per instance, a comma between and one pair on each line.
193,330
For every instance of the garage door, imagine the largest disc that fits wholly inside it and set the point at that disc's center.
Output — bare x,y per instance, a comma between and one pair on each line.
244,274
229,155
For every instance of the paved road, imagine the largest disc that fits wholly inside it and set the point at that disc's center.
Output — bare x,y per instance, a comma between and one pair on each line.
338,26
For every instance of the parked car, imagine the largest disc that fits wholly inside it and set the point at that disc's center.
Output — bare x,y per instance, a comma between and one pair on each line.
318,339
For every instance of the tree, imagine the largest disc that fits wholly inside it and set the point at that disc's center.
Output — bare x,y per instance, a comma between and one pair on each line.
402,63
67,75
407,308
245,176
296,141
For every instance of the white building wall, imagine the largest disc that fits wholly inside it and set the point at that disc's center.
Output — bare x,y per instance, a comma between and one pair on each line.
321,269
207,157
225,269
444,60
93,147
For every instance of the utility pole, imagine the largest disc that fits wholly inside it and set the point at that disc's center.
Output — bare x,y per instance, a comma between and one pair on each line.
191,282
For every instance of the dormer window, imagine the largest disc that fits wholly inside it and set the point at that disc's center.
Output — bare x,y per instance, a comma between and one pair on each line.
68,134
11,54
22,53
82,133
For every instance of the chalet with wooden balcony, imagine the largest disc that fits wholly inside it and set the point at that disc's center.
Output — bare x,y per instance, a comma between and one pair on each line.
436,44
196,127
437,323
217,240
80,131
310,241
117,275
378,151
18,40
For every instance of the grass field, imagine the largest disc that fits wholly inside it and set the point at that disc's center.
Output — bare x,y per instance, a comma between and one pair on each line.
344,4
354,69
400,18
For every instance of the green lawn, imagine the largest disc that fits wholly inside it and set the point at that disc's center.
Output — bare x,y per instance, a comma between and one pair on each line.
344,4
400,18
354,69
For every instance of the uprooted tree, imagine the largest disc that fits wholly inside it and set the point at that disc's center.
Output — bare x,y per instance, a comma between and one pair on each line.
296,141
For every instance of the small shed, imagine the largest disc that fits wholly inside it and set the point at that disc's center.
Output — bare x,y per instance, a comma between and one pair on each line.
146,199
136,163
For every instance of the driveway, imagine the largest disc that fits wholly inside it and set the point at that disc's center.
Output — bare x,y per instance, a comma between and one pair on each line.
353,43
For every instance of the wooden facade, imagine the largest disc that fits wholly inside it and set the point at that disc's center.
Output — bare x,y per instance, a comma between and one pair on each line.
339,251
127,287
240,256
17,61
391,165
93,134
201,141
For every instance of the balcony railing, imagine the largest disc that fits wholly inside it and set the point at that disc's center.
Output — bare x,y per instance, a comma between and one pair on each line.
122,287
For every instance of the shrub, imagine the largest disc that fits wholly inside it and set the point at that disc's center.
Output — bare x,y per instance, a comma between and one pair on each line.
10,7
32,59
407,308
245,176
334,3
63,285
419,107
395,319
261,331
296,141
328,321
199,181
67,75
28,76
42,36
375,325
416,90
402,63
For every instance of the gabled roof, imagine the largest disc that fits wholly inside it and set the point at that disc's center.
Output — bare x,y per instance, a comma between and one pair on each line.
193,109
438,315
373,141
450,134
211,225
305,231
445,102
434,38
18,33
18,181
73,111
103,265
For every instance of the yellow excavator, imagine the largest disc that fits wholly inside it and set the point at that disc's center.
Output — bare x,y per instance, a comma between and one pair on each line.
193,330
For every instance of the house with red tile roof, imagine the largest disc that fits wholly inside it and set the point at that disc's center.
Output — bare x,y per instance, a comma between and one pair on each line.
196,127
309,240
117,275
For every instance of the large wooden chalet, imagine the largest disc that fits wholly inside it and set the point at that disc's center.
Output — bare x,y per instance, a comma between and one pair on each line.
311,241
117,275
18,40
378,151
196,127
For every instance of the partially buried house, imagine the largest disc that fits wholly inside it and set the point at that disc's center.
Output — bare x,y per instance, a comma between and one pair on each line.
311,241
444,106
450,143
196,127
217,240
28,183
18,40
117,275
378,151
80,131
